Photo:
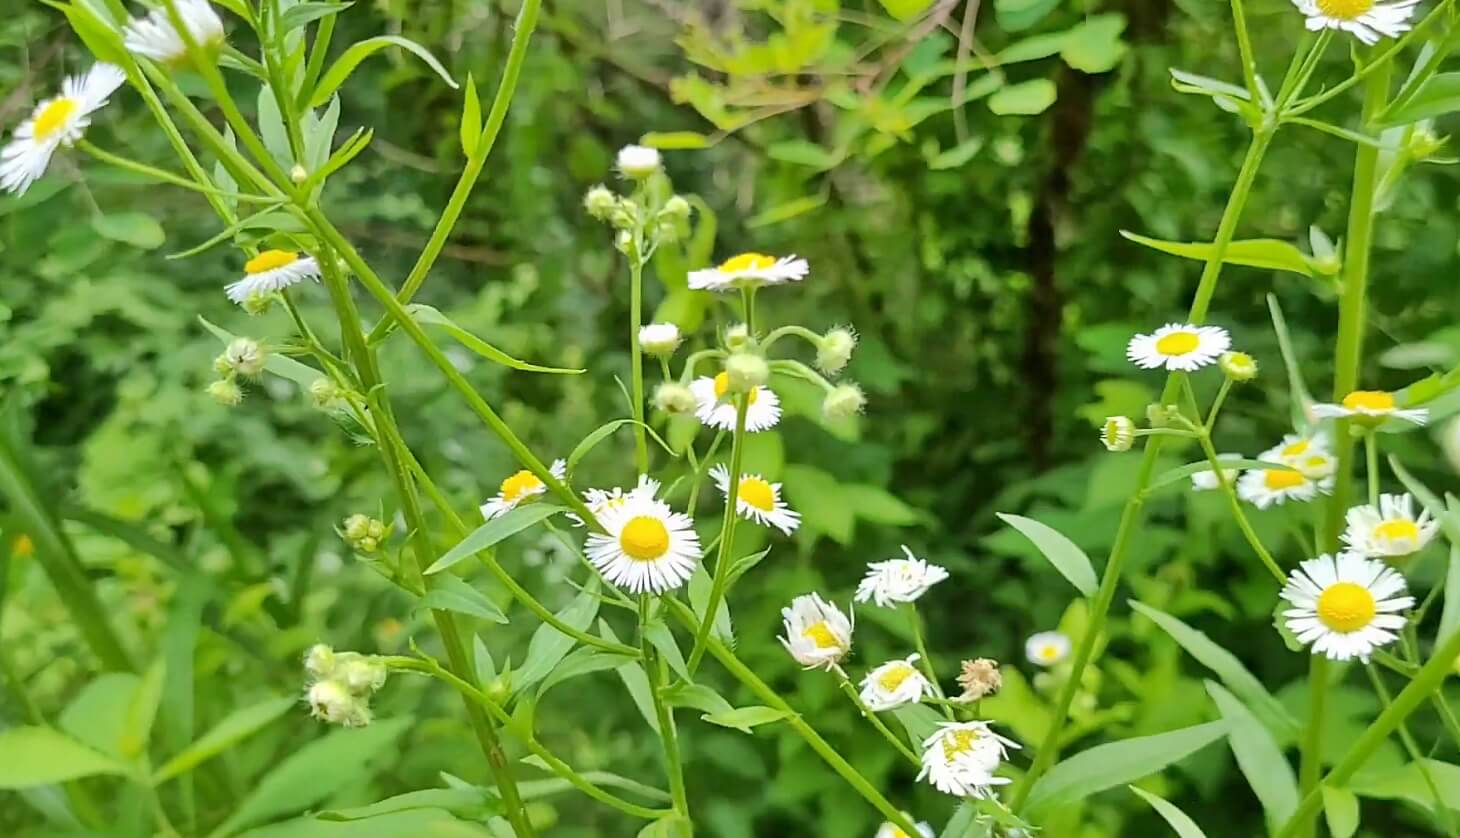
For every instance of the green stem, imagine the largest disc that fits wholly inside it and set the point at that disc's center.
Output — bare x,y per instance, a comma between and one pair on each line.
175,139
161,174
867,713
727,533
654,669
800,331
317,54
1244,49
915,621
1217,403
636,356
1238,513
1371,450
1441,808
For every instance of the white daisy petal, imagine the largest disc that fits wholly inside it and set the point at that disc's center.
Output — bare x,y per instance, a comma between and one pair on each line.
1371,408
1047,648
55,122
818,634
1350,618
1179,347
646,547
1366,20
715,410
896,581
1390,529
520,488
748,270
759,500
271,271
156,38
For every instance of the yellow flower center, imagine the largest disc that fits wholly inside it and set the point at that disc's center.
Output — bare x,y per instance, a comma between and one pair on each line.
1049,652
958,742
1397,530
644,538
747,262
518,485
54,117
757,493
822,635
894,677
722,386
269,260
1295,449
1346,606
1278,479
1345,9
1178,343
1374,400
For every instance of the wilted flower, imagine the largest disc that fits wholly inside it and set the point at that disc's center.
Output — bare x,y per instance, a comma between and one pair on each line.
979,678
960,758
895,581
156,38
818,634
894,684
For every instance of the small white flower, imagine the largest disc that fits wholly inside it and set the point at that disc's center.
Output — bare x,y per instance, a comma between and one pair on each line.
1295,446
749,270
659,338
1366,20
894,581
319,661
1205,481
1118,433
1265,487
818,634
758,500
1178,347
1238,366
58,121
519,488
960,758
270,271
646,547
155,37
1390,530
892,830
638,162
1345,607
1371,408
1047,648
894,684
600,500
717,411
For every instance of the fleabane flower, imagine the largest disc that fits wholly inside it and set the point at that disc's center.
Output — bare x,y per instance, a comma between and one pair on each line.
1345,606
1178,347
519,488
1205,481
58,121
894,684
960,758
1047,648
1264,487
1370,408
646,547
749,270
716,410
270,271
1238,366
599,501
818,634
659,338
758,500
892,830
1390,529
1118,433
638,162
156,38
894,581
1366,20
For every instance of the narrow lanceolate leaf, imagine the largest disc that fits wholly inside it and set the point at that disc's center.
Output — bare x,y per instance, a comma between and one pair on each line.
1439,94
495,531
1301,397
548,645
1273,254
451,593
351,58
1068,559
1180,822
1450,615
1119,763
431,317
745,718
471,118
37,756
237,726
1261,760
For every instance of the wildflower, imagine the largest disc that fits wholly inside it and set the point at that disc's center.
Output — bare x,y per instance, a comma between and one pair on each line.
749,270
519,488
835,350
1178,347
647,547
1264,487
960,759
759,500
638,162
979,678
744,371
676,209
55,122
1205,481
894,684
890,582
762,410
599,202
1370,408
1118,433
674,398
1047,648
600,500
1238,366
659,338
892,830
225,392
843,402
270,271
1345,606
1366,20
244,356
155,37
1390,529
332,702
818,634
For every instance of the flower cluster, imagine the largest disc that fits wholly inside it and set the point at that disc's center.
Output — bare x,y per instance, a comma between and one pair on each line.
363,533
341,684
243,358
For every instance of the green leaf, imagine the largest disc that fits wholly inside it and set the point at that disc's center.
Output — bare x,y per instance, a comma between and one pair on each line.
1300,397
1180,822
672,140
495,531
103,40
817,496
699,599
662,639
361,50
636,681
745,718
581,661
602,432
1192,83
1408,783
469,802
803,153
788,210
1180,473
1450,613
1094,46
280,365
431,317
698,696
142,712
234,728
1341,811
271,128
138,229
548,645
1119,763
1018,15
905,9
669,826
1067,558
1273,254
471,118
38,756
1228,668
305,13
1023,99
1261,760
1437,95
1449,521
957,156
918,721
97,716
452,593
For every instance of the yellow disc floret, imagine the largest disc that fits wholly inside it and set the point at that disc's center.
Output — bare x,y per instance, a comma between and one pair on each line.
1178,343
757,493
269,260
644,538
958,742
518,485
747,262
53,117
1278,479
1346,606
1397,530
722,386
1345,9
894,677
1376,401
822,635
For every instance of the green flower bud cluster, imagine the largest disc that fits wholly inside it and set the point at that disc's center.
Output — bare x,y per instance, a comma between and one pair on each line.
341,684
242,358
363,533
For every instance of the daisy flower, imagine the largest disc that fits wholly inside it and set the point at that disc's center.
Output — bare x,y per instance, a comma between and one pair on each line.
749,270
646,547
758,500
1371,408
1294,446
58,121
818,634
1047,648
270,271
1178,347
960,759
520,488
1118,433
1264,487
659,338
762,412
892,830
1366,20
1205,481
894,684
1345,607
1391,529
155,37
899,580
599,500
638,162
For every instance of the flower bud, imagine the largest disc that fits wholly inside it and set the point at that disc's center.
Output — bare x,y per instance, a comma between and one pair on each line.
330,701
1238,366
319,661
258,303
325,393
668,230
659,339
298,174
638,162
1159,415
1424,143
600,202
357,526
737,337
1118,433
361,674
500,689
835,350
674,398
624,241
745,371
844,402
363,533
625,215
244,356
677,208
225,392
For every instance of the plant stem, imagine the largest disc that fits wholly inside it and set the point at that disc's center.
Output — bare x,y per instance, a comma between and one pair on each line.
1244,49
636,355
654,669
915,621
1442,810
727,533
1238,514
161,174
1371,450
867,713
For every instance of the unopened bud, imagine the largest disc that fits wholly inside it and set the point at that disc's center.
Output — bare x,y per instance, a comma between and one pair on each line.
844,402
835,350
357,526
1424,143
258,303
361,674
244,356
744,371
298,174
319,661
1238,366
1118,433
674,398
324,393
332,702
624,241
624,215
737,337
225,392
677,208
599,202
638,162
660,339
